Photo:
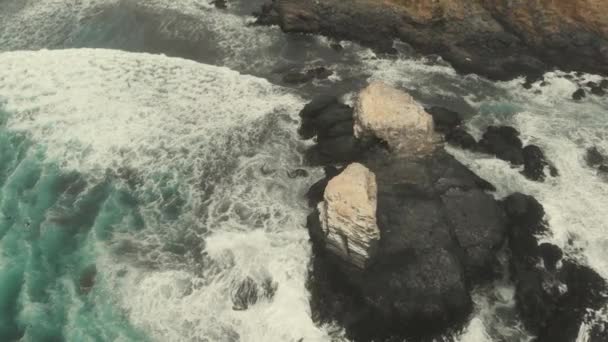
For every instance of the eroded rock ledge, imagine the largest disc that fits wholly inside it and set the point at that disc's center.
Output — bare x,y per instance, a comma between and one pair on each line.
497,38
401,237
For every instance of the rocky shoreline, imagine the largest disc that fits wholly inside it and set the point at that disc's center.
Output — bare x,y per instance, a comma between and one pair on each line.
402,232
495,38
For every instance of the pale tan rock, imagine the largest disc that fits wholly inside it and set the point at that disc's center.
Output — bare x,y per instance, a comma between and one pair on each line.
348,215
395,117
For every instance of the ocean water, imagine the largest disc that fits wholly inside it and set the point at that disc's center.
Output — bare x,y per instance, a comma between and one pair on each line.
145,160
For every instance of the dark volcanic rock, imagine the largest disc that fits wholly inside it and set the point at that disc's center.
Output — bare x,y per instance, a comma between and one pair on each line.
504,143
579,94
479,226
535,163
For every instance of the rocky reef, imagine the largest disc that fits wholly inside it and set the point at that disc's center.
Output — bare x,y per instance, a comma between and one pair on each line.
497,38
402,232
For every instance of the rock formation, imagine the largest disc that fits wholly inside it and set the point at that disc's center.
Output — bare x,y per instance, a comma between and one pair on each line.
400,235
498,38
348,215
400,238
394,117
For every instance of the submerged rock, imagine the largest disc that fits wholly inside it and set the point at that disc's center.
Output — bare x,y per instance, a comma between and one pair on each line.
248,292
579,94
87,279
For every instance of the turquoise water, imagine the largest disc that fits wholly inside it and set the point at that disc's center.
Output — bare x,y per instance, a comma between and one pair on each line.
51,225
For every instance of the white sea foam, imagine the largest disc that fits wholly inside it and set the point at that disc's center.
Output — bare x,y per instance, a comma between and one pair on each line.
180,125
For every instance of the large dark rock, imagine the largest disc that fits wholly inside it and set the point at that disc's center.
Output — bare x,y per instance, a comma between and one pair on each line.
439,236
535,164
504,143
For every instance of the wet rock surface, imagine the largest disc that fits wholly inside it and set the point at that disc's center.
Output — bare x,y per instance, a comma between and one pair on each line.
497,38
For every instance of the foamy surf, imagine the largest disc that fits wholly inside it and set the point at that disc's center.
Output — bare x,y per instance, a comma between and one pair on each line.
204,153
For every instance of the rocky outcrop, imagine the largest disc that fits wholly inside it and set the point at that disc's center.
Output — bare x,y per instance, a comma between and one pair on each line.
385,113
497,38
400,236
348,215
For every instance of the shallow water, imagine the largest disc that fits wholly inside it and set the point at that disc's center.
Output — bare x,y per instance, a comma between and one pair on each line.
138,191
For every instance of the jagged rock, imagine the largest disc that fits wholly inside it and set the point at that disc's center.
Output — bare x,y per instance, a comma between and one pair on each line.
394,117
348,215
504,142
535,164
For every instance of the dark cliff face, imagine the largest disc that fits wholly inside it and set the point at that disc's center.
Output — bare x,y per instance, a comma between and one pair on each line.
497,38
